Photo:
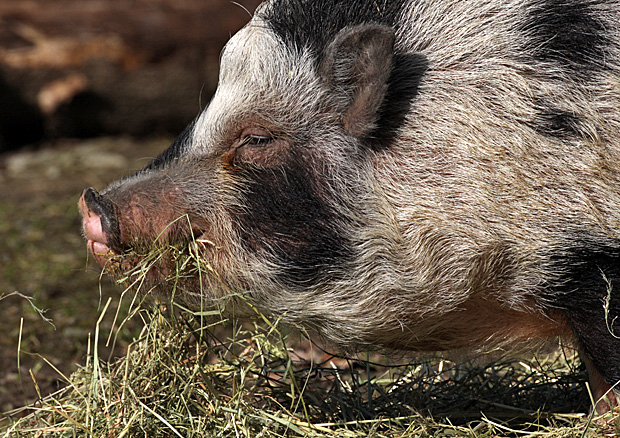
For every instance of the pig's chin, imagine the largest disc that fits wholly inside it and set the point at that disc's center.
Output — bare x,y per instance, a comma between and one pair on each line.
101,252
113,262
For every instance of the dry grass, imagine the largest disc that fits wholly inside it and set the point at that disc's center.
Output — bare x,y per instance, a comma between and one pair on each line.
185,377
181,379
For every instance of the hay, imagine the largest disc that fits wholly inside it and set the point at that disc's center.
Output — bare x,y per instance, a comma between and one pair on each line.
182,379
185,377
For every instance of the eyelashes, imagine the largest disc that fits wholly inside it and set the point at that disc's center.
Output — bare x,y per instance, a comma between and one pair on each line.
256,140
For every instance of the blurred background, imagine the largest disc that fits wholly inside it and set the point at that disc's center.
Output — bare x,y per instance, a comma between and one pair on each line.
90,90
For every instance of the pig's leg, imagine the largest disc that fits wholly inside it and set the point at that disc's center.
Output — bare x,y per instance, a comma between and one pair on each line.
602,392
600,349
589,298
588,295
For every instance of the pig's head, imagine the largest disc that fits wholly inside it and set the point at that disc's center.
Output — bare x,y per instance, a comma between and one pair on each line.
270,187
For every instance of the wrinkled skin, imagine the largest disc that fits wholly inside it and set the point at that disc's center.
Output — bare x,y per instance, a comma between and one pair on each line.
427,176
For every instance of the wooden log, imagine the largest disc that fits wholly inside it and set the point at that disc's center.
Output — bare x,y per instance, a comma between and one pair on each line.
78,68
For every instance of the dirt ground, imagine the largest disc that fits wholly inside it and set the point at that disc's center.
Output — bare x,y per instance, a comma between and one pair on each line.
43,256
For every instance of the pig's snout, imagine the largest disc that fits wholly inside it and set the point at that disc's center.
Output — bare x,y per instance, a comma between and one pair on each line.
100,224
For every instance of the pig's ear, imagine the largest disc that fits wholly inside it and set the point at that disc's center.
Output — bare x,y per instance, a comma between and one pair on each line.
356,66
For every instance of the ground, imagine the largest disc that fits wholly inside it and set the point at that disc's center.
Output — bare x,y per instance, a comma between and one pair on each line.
43,256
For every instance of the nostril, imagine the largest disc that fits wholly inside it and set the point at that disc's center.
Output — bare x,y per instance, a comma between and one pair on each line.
93,203
90,196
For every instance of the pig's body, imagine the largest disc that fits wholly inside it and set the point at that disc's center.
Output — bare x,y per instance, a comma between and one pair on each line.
419,175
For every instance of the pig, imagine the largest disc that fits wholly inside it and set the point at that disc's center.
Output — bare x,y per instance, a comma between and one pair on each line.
419,175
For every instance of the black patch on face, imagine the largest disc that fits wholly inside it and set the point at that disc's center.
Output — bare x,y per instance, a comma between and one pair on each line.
557,123
175,150
567,33
588,269
283,217
312,24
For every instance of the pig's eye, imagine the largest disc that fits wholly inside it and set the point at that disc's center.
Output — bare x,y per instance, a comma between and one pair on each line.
256,140
259,147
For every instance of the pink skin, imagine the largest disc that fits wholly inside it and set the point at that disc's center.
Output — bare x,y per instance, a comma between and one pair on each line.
97,241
